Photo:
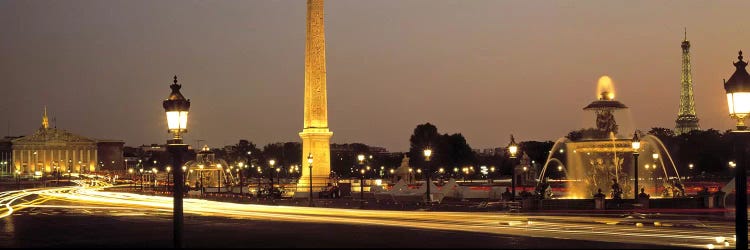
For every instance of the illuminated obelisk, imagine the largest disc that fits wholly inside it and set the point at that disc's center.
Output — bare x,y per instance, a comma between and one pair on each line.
315,135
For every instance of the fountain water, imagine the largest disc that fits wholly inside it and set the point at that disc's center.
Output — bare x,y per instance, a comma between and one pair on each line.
596,157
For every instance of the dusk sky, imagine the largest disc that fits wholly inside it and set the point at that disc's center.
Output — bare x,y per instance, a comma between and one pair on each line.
485,69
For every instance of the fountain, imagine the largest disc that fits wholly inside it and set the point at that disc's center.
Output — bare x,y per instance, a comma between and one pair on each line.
593,158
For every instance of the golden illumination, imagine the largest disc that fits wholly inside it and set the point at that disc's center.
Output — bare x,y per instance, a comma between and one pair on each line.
739,106
177,120
605,90
427,154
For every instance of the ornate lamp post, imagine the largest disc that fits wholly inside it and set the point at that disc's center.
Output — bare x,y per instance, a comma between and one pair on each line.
176,108
513,150
155,171
140,175
361,159
738,99
310,162
636,145
200,177
655,156
271,162
130,171
218,176
242,166
427,153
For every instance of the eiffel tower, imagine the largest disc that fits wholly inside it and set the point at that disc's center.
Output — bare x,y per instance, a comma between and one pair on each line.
686,119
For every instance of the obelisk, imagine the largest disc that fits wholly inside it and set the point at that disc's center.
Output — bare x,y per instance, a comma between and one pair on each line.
315,134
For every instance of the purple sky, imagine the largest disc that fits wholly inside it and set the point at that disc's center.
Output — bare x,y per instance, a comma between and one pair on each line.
485,69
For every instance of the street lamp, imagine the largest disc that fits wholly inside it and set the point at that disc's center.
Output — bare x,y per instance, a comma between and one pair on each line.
513,150
362,188
176,108
200,176
271,162
310,162
218,176
140,176
427,153
655,156
242,165
130,171
636,145
738,100
155,171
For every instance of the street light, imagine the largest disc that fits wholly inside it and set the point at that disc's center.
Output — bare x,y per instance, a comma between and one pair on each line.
155,171
310,162
738,100
242,165
513,149
271,162
655,156
218,166
140,176
176,108
427,153
361,159
130,171
636,145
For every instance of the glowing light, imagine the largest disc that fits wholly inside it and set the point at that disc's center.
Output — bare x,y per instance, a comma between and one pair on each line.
605,89
719,239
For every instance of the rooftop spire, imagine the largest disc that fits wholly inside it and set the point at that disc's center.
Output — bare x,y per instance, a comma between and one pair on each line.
45,121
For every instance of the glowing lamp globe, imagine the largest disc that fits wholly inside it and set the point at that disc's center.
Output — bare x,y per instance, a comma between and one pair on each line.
427,154
636,143
176,108
512,147
738,93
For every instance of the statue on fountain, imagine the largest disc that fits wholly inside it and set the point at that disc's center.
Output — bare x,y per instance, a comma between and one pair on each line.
616,190
605,121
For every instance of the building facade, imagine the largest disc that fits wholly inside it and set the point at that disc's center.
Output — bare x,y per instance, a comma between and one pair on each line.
50,149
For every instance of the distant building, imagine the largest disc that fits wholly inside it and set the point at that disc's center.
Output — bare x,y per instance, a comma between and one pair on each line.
52,149
6,155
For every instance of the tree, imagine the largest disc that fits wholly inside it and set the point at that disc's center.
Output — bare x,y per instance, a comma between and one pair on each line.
448,150
425,135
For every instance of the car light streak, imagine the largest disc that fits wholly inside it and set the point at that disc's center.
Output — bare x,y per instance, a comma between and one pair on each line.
579,227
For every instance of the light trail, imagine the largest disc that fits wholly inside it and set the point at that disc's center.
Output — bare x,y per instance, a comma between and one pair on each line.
578,227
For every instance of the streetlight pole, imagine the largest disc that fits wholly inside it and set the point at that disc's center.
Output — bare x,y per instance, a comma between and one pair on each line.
636,145
738,99
361,159
513,149
176,108
218,166
655,156
427,153
140,176
310,162
242,165
271,162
